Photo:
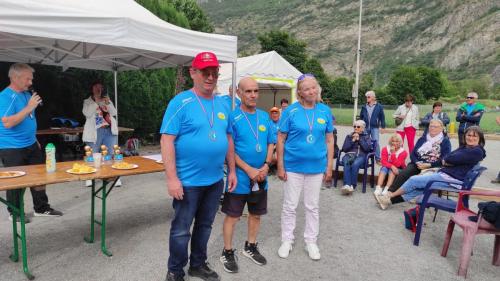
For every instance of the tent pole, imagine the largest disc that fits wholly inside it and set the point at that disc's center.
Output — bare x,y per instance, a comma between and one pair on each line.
358,54
116,93
233,83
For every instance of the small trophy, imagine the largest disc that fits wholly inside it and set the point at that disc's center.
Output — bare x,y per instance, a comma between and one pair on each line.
118,154
88,154
105,155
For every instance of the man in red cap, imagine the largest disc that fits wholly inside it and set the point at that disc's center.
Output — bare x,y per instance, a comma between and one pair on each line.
196,139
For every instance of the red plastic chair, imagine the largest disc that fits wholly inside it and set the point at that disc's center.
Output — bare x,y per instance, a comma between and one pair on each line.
470,228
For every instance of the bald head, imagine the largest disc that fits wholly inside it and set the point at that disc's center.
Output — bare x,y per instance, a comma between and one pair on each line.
248,91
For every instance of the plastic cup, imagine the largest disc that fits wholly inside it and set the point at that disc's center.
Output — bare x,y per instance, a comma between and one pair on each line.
97,160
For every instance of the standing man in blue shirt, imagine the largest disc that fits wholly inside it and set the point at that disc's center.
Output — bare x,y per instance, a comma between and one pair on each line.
18,143
373,115
253,142
196,137
468,114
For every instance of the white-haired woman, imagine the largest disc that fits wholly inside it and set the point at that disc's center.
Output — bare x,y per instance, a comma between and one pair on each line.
356,146
305,156
393,159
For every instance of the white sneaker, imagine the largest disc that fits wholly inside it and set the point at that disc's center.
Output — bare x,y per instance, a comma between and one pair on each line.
88,183
378,190
345,190
351,189
118,183
313,251
285,249
385,191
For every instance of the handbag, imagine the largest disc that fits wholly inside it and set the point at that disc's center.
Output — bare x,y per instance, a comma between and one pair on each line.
349,158
491,212
411,218
399,120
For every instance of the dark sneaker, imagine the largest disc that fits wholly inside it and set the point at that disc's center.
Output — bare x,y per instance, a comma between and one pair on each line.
49,213
26,219
228,260
173,277
252,252
203,272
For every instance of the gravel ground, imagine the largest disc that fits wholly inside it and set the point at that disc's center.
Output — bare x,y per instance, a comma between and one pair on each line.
357,240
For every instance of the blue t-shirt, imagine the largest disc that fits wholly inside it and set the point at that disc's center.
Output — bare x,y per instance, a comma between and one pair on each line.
199,157
469,108
275,126
23,134
229,101
245,142
303,153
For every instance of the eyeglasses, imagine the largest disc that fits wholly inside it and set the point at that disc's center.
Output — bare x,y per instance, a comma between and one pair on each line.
434,126
206,73
471,98
304,76
357,127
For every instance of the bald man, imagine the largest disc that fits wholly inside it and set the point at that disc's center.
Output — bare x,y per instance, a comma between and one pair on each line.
254,140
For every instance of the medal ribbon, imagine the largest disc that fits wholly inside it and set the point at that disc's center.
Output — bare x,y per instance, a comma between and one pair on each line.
210,120
310,122
255,134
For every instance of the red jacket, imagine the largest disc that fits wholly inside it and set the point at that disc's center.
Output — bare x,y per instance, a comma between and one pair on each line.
397,159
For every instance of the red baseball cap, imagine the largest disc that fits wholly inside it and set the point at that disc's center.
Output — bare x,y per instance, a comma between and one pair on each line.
204,60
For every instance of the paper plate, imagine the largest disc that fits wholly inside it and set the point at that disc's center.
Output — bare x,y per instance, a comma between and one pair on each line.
132,166
11,174
81,173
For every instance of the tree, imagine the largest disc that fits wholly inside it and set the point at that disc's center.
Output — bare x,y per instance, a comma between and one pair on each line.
197,19
291,49
432,83
405,80
342,90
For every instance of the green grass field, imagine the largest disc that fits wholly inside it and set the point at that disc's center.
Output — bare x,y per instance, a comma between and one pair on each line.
344,117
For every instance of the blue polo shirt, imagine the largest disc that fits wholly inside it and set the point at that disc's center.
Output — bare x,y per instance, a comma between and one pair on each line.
199,157
301,156
23,134
245,142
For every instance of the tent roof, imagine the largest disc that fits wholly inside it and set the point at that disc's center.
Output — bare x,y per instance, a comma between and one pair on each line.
100,34
271,70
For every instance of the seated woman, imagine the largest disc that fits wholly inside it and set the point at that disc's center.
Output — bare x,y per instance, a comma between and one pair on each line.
393,158
436,113
455,166
428,153
356,146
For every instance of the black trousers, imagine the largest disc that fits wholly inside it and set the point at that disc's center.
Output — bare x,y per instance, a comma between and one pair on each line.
404,175
30,155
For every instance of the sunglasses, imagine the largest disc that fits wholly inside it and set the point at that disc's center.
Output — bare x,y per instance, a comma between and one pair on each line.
470,98
206,73
356,127
304,76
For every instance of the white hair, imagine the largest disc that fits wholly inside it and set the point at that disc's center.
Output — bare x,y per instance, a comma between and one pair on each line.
474,94
370,94
360,123
17,68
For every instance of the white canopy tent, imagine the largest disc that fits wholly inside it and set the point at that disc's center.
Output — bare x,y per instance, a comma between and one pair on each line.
277,78
113,35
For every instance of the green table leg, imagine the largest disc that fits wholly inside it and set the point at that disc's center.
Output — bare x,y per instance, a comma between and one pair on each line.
103,219
101,193
24,251
90,239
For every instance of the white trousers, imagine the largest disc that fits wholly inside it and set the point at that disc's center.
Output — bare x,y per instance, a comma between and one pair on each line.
295,183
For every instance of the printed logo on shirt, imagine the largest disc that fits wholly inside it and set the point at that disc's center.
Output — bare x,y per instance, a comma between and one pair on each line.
262,128
238,117
321,121
221,116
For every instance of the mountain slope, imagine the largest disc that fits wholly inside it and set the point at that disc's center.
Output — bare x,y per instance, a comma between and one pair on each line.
461,37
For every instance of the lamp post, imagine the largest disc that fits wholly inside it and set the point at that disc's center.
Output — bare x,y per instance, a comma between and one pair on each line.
358,54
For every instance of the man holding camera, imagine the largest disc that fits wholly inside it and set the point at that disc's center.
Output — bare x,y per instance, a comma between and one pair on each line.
253,141
18,143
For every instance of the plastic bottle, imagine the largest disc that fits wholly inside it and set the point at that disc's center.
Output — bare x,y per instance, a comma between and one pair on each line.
50,158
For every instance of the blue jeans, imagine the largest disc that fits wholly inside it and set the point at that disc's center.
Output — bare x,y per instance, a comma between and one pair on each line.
104,136
415,185
200,203
375,135
351,170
